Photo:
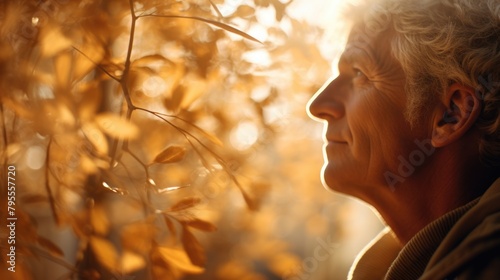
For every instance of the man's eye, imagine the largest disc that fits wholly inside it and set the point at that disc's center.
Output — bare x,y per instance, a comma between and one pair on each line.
358,73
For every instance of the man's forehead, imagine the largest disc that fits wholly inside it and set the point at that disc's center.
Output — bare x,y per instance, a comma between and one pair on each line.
361,45
358,48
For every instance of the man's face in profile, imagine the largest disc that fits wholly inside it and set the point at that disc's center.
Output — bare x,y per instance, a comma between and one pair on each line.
363,111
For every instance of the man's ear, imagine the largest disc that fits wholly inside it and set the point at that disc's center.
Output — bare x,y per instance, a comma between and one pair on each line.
459,110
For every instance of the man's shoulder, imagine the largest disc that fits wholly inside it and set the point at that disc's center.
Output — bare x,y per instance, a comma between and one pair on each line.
477,256
472,247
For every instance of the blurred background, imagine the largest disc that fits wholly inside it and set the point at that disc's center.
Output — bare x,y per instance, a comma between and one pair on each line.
170,140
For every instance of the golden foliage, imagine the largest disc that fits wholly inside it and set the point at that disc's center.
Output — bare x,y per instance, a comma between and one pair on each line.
124,119
171,154
105,253
180,260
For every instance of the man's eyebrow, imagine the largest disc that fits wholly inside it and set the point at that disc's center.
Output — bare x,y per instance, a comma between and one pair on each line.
358,52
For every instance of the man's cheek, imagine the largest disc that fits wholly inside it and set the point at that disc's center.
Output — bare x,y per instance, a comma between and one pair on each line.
361,143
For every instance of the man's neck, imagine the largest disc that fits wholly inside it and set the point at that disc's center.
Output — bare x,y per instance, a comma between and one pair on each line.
429,194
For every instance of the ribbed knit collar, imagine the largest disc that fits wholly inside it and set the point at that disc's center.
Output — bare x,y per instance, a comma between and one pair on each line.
413,258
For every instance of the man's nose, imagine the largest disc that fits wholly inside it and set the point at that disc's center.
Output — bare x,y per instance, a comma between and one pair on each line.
326,103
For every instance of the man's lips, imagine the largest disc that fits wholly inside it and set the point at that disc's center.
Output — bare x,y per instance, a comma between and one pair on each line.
334,136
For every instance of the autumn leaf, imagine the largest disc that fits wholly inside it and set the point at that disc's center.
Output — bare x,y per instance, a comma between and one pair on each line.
50,246
62,66
200,224
95,136
147,59
116,126
194,91
131,262
53,41
161,268
171,154
85,62
90,165
174,73
91,98
138,75
245,11
179,259
99,220
173,103
105,252
147,233
193,247
185,204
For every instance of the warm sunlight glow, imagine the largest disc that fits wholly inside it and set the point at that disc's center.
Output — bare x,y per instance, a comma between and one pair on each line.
244,135
169,139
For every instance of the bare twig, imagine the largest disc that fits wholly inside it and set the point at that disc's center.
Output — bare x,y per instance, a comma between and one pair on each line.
216,9
145,203
134,156
96,64
47,184
209,21
178,118
124,79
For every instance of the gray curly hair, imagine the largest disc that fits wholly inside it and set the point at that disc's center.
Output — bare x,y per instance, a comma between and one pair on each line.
439,42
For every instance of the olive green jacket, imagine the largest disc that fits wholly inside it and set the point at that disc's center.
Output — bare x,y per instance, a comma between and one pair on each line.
463,244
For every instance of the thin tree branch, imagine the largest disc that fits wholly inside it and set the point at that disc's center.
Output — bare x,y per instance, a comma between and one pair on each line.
124,79
145,204
201,130
126,149
216,9
209,21
97,65
47,184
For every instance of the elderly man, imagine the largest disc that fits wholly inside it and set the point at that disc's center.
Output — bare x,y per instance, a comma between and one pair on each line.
412,127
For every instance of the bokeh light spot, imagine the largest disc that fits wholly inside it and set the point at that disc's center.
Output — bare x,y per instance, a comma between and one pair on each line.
244,135
35,157
154,86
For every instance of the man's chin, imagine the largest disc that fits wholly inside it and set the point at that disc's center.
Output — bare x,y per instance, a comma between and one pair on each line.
331,182
335,187
336,180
